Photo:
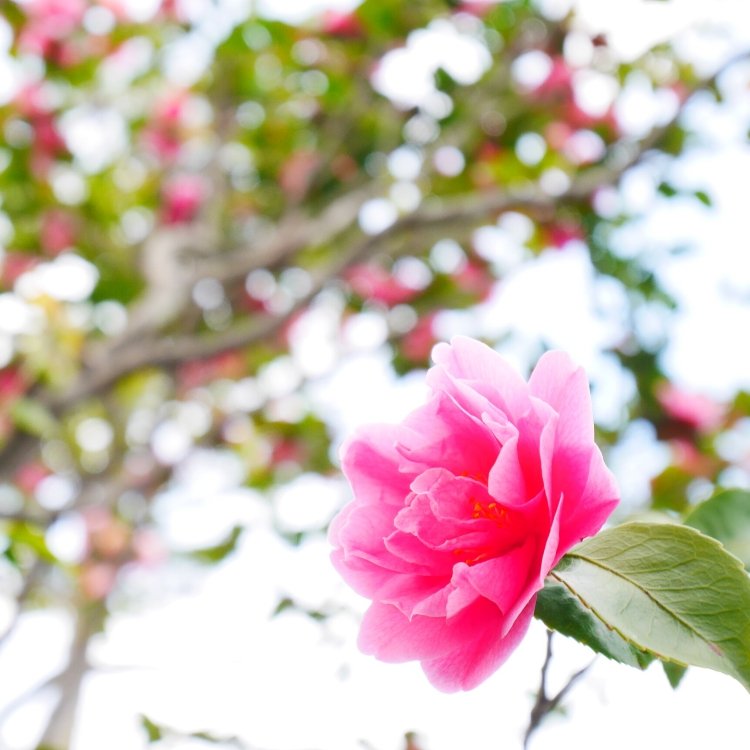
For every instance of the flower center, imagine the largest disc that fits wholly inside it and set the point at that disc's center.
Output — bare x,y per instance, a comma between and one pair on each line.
491,511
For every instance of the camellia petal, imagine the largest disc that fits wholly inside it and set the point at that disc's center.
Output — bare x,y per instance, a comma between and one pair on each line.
366,457
477,658
461,511
556,381
473,362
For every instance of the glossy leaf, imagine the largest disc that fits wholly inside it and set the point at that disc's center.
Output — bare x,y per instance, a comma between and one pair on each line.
668,590
561,610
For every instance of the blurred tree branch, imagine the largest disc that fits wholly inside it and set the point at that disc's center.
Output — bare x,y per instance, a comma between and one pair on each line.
58,732
144,343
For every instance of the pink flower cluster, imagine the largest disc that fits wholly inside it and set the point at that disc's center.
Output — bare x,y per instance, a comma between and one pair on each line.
461,511
49,22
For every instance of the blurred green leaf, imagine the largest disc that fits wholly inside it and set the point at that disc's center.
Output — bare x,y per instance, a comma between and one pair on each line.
703,197
668,190
217,553
33,417
726,517
154,732
285,604
669,489
32,537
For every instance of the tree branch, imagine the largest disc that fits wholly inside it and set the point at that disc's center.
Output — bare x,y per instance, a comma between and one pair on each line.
169,351
59,730
117,360
294,233
114,360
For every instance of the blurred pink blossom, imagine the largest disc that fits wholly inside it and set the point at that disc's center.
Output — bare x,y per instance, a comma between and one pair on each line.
58,231
693,409
417,343
373,282
49,22
182,199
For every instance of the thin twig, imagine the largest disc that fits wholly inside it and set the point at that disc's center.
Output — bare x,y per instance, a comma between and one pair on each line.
544,704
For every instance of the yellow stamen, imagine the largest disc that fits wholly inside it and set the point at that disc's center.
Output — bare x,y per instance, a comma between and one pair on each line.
492,512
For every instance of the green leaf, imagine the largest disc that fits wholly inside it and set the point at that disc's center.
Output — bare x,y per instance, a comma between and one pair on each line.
283,605
668,590
726,517
217,740
668,190
669,489
674,672
153,731
32,417
741,403
561,610
28,535
218,552
703,197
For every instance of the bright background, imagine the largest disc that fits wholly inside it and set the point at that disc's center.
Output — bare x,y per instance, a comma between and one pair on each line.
211,655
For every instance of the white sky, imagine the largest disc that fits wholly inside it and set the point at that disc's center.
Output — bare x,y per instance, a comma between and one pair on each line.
212,659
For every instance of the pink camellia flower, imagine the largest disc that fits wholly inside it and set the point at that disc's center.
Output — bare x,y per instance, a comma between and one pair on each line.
372,281
163,134
57,232
13,384
338,23
97,579
49,22
478,8
418,342
693,409
149,549
558,82
476,280
298,171
461,511
560,233
183,197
